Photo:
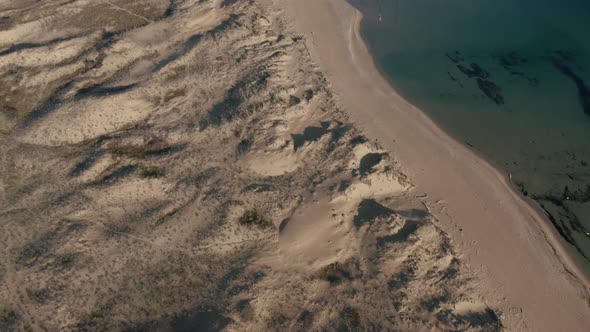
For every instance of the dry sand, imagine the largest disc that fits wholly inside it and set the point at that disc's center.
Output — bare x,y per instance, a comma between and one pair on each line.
138,137
509,243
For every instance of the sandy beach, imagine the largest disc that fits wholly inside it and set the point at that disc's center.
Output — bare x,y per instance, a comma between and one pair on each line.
178,165
243,166
508,242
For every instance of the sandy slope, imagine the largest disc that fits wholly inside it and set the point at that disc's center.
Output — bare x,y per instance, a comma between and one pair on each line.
137,137
509,243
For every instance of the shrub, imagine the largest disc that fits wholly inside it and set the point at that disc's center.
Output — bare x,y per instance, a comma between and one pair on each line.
352,317
334,273
8,317
252,217
151,171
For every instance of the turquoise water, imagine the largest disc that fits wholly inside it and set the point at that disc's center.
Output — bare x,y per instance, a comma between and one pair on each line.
511,79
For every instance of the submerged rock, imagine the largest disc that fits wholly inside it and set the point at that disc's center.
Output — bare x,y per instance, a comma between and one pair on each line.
474,70
583,89
455,57
491,90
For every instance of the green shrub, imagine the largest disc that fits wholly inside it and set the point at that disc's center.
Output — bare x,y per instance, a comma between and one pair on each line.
151,171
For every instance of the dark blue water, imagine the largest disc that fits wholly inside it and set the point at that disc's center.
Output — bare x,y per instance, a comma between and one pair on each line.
510,78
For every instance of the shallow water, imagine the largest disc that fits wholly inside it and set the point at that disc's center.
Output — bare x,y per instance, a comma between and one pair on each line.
510,78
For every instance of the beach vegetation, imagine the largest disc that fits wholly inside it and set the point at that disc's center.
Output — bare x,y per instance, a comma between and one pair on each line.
334,273
253,217
151,171
352,318
8,317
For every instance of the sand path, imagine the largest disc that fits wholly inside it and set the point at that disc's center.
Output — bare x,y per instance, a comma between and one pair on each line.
508,242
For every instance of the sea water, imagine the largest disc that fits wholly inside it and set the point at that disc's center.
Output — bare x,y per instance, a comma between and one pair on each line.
511,78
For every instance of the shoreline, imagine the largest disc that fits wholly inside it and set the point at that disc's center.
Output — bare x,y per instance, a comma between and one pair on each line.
566,254
543,220
569,253
532,224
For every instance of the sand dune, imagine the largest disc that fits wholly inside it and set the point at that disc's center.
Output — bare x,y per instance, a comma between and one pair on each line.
172,165
523,267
